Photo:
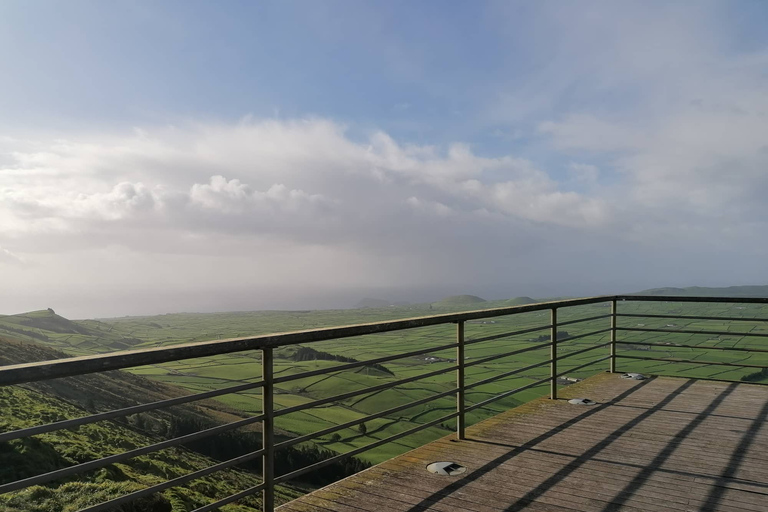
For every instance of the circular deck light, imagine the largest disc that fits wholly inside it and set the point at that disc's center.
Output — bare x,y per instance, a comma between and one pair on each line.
446,468
581,401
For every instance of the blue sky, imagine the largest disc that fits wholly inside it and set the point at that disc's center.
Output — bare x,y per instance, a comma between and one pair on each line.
381,148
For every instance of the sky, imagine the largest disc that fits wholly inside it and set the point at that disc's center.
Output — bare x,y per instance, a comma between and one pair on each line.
210,156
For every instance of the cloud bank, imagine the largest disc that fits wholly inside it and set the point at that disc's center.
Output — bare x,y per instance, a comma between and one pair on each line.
639,159
289,209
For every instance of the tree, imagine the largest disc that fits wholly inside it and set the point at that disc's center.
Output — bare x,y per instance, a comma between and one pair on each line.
363,429
335,438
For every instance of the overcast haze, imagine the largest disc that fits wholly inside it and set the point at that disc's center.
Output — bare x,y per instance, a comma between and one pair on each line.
198,156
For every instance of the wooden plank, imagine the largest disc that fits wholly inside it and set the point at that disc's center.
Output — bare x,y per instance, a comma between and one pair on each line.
552,456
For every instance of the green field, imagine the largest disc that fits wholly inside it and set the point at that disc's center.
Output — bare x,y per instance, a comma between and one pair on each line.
106,335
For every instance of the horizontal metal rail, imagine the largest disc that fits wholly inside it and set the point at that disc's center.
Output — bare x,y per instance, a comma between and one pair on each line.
578,352
688,331
126,411
175,482
230,499
506,335
369,362
683,298
578,336
495,357
691,361
32,372
590,363
691,317
330,430
580,320
351,453
506,394
506,374
106,461
702,347
43,370
364,391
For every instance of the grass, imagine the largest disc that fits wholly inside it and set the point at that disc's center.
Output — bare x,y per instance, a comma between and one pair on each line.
47,452
105,335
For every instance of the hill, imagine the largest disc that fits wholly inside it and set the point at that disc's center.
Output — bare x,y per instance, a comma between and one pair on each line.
72,337
691,291
47,320
459,300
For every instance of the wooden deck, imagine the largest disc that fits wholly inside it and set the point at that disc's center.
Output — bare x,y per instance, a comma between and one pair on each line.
659,445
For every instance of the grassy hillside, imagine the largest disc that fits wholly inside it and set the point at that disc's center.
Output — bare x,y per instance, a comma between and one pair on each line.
72,337
220,371
216,372
44,402
47,452
116,389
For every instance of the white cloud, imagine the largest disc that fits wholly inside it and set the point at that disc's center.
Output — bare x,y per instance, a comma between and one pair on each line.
235,197
277,189
296,169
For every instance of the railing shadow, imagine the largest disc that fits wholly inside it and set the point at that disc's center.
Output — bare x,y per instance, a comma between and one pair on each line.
572,466
425,503
719,487
629,490
632,465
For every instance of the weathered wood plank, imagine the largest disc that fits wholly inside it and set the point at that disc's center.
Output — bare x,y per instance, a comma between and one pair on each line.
661,445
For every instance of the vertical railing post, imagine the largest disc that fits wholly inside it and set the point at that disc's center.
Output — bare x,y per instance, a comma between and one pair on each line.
460,422
613,336
268,431
553,356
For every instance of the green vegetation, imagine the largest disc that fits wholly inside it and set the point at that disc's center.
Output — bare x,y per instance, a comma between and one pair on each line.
92,393
757,376
97,336
310,354
706,345
22,458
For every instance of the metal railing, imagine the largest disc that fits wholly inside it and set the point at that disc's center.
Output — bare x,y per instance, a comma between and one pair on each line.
32,372
674,329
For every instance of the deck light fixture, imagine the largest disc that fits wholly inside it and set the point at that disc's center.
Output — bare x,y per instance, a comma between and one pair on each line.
581,401
446,468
